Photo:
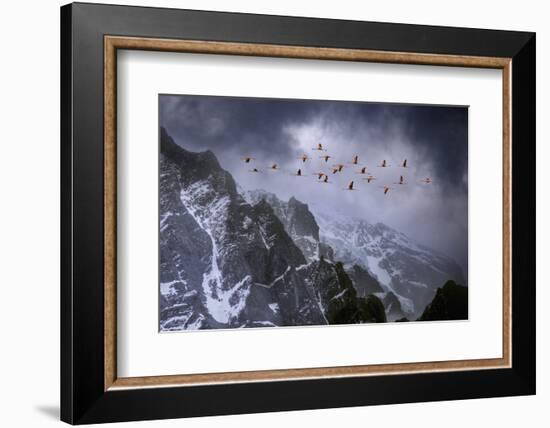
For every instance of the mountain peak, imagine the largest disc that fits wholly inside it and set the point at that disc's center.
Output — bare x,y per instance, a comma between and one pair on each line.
197,165
294,201
412,272
263,206
298,222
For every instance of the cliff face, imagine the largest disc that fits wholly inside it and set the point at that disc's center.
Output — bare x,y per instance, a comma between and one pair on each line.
411,272
298,221
225,262
231,259
449,303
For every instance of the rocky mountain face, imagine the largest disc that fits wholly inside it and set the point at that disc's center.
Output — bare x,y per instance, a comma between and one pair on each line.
226,262
298,221
213,245
248,259
364,282
408,270
392,305
350,308
314,294
449,303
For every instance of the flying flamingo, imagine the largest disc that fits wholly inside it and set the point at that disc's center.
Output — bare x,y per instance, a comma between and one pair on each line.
427,180
384,164
255,170
319,175
334,170
339,166
363,170
350,186
404,164
319,147
299,173
325,180
304,157
355,160
274,167
386,189
370,178
325,157
247,159
401,180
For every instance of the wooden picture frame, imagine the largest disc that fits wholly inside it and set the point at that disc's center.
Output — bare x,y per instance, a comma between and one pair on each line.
91,390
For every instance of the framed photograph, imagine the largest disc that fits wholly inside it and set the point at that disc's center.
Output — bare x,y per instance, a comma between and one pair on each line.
316,212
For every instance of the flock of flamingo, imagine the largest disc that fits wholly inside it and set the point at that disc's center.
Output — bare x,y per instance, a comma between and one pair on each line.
323,177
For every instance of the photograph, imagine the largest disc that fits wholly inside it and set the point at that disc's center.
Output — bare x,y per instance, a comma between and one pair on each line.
258,213
290,212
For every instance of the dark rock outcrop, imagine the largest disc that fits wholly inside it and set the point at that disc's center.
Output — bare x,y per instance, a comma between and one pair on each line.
449,303
410,270
214,246
299,223
226,262
363,281
394,311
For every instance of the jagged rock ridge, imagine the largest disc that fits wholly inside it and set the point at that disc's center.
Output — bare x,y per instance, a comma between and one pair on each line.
450,303
408,270
225,262
298,221
234,259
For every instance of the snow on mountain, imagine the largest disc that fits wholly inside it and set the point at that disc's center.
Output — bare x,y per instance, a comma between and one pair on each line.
409,271
213,245
298,221
230,258
228,262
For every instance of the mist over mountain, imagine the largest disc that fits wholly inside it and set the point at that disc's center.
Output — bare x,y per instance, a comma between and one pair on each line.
434,140
410,271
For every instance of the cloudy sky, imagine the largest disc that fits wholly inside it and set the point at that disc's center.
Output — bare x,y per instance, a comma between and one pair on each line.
433,139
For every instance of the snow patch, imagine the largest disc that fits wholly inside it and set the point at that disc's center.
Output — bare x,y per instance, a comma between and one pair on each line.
265,323
212,213
373,263
406,304
272,283
340,294
166,288
417,284
247,222
165,216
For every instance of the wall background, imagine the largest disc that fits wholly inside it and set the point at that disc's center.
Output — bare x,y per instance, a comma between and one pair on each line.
29,214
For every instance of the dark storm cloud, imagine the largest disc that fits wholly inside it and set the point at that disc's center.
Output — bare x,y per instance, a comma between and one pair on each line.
442,136
439,134
432,138
203,121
